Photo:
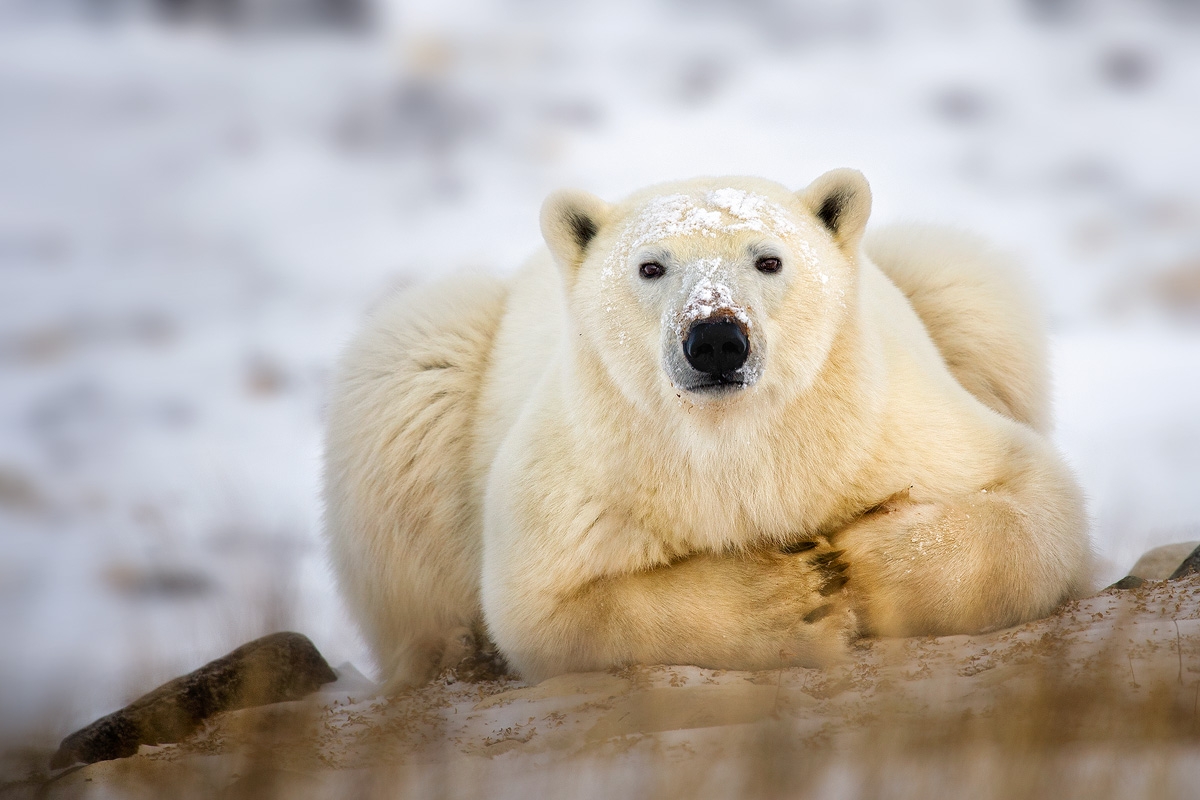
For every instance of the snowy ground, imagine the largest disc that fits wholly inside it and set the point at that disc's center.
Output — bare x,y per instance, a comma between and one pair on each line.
1096,701
192,222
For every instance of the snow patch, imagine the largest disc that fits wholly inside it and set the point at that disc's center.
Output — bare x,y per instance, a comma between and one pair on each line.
709,298
753,211
720,211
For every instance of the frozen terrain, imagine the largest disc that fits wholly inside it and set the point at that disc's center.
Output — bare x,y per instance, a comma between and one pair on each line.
1098,700
192,221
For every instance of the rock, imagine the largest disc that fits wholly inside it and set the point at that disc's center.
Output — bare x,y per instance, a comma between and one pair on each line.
1168,562
1190,565
1128,582
1097,700
276,668
1159,564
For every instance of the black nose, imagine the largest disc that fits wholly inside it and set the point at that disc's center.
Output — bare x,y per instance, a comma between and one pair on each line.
716,348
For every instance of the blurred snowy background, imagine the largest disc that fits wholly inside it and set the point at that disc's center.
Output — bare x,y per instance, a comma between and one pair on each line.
200,198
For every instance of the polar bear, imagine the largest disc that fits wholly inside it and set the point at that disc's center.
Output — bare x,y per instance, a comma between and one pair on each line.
708,425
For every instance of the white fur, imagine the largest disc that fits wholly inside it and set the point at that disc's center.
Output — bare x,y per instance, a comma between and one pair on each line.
528,450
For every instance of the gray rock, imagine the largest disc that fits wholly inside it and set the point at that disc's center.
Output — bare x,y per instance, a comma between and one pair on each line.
273,669
1128,582
1190,566
1159,563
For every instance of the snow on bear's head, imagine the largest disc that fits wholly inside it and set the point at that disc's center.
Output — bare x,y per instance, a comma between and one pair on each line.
710,291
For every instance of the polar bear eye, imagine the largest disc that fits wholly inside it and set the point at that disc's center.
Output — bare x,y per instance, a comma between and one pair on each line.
768,264
652,269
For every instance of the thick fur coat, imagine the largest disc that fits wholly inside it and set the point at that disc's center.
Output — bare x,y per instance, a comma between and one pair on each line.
546,458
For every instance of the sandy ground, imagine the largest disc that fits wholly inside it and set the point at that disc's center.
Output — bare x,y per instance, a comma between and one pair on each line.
1099,700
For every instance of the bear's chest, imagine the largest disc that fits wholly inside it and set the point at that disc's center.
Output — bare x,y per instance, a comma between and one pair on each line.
710,510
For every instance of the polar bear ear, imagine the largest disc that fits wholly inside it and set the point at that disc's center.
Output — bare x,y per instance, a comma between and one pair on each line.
841,200
570,221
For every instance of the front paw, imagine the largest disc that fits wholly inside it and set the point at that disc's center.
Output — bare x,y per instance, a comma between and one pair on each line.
819,614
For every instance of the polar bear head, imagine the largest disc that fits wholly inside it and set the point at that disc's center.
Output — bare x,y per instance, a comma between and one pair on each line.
710,291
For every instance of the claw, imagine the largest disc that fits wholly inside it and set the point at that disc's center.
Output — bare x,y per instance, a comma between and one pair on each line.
833,584
891,504
827,558
819,613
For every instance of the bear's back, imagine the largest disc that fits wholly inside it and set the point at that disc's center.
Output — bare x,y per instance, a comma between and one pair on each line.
977,309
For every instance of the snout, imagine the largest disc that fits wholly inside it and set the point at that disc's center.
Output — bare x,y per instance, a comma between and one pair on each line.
717,347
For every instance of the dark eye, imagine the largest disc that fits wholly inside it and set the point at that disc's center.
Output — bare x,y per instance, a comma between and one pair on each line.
652,269
768,264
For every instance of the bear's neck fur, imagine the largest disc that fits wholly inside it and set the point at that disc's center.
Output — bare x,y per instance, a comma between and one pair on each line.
757,469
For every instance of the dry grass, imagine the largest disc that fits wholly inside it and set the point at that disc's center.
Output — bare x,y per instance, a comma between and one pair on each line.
1099,701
